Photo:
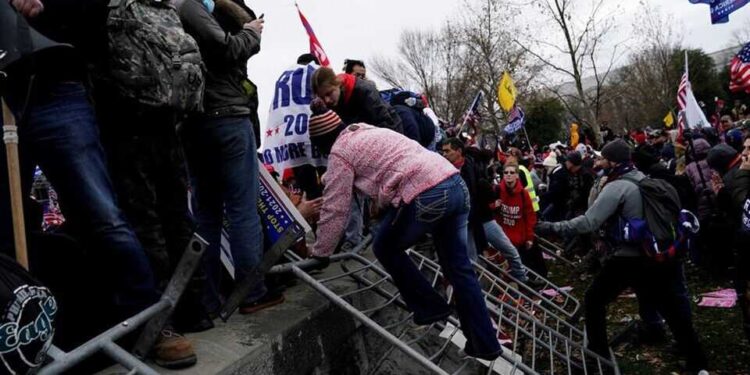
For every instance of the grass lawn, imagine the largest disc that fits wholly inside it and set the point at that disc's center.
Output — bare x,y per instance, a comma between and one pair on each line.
720,329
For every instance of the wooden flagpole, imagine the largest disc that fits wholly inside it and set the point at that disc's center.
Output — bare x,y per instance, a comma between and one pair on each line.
10,137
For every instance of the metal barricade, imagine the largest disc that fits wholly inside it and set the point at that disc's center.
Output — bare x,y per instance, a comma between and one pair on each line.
153,318
549,295
537,340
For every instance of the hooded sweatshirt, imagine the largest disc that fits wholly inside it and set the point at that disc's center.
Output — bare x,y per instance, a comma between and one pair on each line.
386,166
515,213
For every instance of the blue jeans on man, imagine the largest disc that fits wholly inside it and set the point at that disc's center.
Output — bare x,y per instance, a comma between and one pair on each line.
500,241
442,211
59,133
224,170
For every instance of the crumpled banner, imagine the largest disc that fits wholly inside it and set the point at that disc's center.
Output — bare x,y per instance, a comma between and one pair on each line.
723,298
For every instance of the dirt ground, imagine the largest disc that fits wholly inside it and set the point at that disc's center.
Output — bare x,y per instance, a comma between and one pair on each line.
720,329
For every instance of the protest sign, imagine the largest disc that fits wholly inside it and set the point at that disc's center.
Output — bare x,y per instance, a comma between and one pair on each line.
285,141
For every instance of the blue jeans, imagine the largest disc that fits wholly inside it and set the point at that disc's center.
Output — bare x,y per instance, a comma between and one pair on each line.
224,171
355,224
500,241
497,238
442,211
60,134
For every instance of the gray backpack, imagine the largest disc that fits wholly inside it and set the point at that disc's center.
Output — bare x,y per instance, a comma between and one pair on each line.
151,59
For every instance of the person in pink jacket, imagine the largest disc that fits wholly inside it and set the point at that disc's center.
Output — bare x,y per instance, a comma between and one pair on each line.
420,192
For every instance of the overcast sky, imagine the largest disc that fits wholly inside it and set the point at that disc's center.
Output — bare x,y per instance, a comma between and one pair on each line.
365,28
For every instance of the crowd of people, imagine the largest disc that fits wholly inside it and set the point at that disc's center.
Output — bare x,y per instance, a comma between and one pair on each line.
123,137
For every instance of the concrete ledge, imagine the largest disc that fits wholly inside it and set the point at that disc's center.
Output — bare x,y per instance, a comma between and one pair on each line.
303,335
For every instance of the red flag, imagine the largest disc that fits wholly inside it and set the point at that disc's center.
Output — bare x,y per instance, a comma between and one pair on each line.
315,48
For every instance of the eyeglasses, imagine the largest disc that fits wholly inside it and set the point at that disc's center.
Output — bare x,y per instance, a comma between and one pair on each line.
509,172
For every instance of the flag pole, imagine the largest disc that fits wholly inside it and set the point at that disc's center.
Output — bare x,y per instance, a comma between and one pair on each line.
10,137
527,138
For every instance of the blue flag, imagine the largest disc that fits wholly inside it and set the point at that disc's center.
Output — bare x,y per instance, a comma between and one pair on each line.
516,120
721,9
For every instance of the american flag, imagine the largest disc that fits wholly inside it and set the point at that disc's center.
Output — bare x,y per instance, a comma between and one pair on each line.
739,71
472,114
682,100
315,48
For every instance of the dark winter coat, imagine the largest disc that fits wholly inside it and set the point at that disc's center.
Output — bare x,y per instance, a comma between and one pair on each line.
725,160
416,124
700,175
360,101
555,201
681,183
479,211
228,90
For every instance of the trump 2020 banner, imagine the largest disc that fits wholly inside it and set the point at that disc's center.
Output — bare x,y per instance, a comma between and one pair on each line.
721,9
286,139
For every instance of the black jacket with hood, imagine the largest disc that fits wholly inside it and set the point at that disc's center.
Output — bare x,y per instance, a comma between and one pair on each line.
725,160
362,103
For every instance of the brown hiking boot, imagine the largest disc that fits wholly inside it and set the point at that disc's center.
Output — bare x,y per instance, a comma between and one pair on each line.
270,299
173,351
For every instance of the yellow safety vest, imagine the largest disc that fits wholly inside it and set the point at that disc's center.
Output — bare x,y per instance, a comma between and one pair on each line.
530,188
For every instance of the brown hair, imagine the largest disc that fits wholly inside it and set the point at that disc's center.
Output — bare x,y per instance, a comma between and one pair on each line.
324,76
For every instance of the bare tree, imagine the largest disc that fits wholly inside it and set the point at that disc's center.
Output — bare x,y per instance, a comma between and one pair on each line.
489,36
431,63
463,57
646,86
582,53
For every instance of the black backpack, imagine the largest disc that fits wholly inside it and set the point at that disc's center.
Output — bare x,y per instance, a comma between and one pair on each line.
666,231
27,318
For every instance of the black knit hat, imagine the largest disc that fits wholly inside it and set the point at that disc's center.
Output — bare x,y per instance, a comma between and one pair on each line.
574,158
617,151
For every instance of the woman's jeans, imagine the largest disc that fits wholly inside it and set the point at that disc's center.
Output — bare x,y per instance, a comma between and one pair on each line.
500,241
442,211
224,171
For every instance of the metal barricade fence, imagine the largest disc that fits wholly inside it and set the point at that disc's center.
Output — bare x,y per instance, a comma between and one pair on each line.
537,340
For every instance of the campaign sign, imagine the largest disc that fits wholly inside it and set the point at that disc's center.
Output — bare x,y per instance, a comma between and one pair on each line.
277,213
516,119
285,141
721,9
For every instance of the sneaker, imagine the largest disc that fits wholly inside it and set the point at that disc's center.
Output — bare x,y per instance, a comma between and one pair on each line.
173,351
270,299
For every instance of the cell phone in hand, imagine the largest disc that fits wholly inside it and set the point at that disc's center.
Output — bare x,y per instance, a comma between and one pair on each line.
261,16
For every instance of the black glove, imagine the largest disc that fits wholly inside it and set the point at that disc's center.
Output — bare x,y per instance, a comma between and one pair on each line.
323,263
544,228
318,107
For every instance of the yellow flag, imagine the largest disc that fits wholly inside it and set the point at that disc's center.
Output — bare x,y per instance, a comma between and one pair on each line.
506,92
668,120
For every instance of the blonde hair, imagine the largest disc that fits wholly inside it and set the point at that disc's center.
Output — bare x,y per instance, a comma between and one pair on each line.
511,162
